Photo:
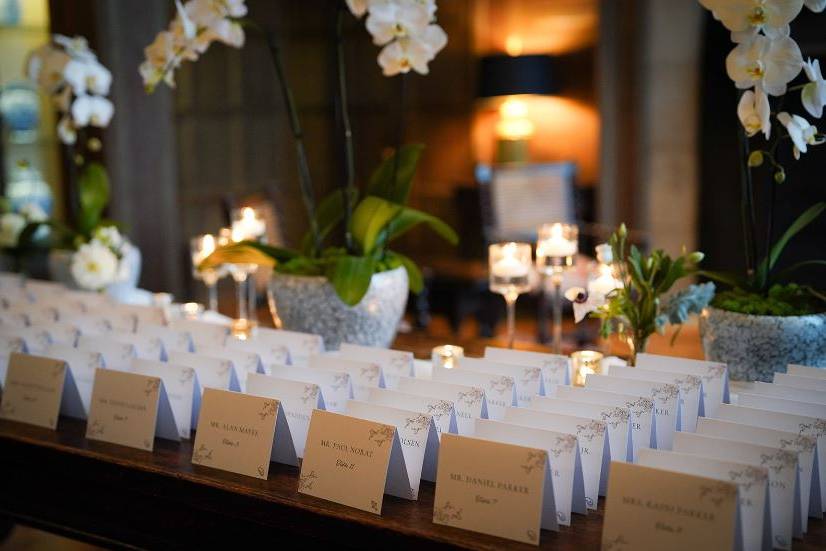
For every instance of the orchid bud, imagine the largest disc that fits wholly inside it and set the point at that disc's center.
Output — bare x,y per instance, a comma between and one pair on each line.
755,159
622,231
780,176
696,257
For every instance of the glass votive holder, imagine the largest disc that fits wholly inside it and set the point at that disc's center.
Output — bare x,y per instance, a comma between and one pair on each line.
447,356
247,224
584,363
192,310
509,267
556,246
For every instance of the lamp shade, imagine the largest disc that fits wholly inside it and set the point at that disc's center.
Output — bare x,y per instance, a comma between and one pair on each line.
504,75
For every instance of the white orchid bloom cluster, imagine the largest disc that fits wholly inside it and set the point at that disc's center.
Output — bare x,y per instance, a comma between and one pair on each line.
12,224
763,63
78,83
197,24
100,262
407,31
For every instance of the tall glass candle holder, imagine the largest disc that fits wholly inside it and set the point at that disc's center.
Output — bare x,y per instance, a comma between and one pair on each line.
556,247
201,247
509,266
247,225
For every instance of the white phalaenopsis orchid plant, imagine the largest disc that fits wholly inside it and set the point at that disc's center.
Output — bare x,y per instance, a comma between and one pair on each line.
78,83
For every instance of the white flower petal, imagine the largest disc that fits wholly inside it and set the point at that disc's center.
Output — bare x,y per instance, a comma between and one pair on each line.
66,130
816,6
94,266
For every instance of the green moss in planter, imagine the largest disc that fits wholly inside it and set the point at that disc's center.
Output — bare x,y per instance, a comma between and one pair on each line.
781,300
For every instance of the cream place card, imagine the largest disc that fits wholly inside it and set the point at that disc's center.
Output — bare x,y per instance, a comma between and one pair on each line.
35,314
563,453
442,411
788,393
297,399
556,368
657,509
241,434
244,361
798,381
785,405
41,289
640,412
14,319
89,324
713,374
417,436
510,498
364,375
130,410
784,501
8,346
118,318
800,424
665,397
60,333
212,372
528,381
591,437
33,390
691,390
182,389
146,347
804,446
469,401
172,339
394,363
806,371
752,485
116,355
353,462
270,353
83,364
300,345
500,390
201,332
336,386
36,339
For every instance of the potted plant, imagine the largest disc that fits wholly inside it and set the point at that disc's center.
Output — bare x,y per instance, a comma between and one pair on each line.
343,282
88,253
763,322
640,305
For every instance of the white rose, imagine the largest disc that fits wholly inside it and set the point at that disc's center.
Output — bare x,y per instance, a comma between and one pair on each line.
11,224
109,236
94,266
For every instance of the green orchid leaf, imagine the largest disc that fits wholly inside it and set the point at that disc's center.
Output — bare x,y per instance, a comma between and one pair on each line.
372,215
414,274
93,193
797,226
409,218
328,215
732,280
351,276
280,254
381,182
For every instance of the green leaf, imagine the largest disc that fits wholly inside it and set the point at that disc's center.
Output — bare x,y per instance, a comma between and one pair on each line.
381,182
730,279
280,254
93,193
328,214
414,274
371,216
350,276
797,226
798,265
408,218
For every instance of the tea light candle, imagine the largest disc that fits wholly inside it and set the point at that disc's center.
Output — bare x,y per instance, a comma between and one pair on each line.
447,356
192,310
202,248
584,363
509,265
247,225
557,240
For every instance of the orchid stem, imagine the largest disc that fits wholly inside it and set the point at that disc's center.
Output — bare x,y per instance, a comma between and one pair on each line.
349,164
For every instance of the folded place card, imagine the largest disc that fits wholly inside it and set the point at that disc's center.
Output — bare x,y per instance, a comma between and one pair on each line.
182,389
691,389
241,433
212,372
135,315
269,353
33,390
563,453
786,405
146,347
800,381
117,318
35,314
528,381
300,345
89,324
336,386
806,371
804,446
591,437
172,339
789,422
116,355
394,363
14,319
60,333
364,375
297,399
640,412
788,393
713,374
784,502
8,346
83,364
665,397
88,300
244,361
655,509
130,410
510,497
417,436
500,390
556,368
353,462
752,485
42,289
202,332
442,411
36,339
469,401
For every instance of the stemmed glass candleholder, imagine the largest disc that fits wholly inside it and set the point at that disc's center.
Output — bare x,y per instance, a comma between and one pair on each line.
201,247
509,266
556,247
247,225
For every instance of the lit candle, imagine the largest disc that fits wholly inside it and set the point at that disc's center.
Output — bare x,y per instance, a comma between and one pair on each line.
192,310
205,246
555,243
584,363
447,356
248,225
509,266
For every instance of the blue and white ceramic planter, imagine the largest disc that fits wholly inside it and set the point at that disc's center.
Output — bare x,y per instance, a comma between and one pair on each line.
755,347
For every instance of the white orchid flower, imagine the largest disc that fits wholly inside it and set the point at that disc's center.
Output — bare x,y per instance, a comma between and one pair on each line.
764,63
357,7
816,6
190,30
584,302
813,95
11,225
800,131
746,18
92,110
45,66
414,53
94,266
391,20
77,47
87,76
754,112
66,131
